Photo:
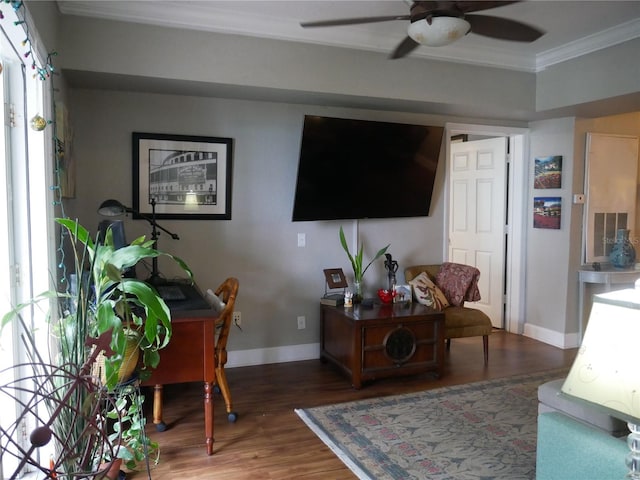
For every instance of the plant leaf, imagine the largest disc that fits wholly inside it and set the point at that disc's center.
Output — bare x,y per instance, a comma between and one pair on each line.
381,252
155,308
78,232
343,242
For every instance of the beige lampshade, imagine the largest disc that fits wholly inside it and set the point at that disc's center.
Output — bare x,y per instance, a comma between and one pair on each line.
606,370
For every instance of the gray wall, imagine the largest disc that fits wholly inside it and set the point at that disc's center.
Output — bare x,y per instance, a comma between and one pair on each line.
614,71
554,255
256,92
302,70
278,280
549,279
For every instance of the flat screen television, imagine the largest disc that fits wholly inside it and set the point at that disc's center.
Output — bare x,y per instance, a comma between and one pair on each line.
355,169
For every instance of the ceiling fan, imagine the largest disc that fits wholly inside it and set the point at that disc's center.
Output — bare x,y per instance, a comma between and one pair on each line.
438,23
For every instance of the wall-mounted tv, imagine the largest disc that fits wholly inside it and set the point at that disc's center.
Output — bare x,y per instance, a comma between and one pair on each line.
354,169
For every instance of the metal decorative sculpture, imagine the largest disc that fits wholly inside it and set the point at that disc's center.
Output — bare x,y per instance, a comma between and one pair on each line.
74,402
392,267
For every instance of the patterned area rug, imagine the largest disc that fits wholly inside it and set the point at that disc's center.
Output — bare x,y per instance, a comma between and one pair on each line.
484,430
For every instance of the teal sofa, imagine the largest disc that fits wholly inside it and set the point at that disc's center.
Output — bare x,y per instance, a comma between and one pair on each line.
575,441
568,449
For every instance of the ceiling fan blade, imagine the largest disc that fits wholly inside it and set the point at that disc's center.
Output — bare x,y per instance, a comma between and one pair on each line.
503,28
478,5
353,21
404,48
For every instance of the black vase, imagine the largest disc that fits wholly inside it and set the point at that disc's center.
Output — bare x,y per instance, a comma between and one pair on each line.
623,255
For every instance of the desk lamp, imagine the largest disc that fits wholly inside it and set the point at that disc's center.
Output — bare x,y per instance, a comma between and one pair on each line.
113,208
117,232
605,372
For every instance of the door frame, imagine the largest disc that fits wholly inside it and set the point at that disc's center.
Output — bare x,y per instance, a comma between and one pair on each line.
517,208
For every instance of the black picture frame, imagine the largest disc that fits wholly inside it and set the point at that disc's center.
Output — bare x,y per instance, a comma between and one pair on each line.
335,278
190,177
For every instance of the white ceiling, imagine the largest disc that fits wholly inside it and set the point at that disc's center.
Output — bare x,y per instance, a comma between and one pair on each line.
572,27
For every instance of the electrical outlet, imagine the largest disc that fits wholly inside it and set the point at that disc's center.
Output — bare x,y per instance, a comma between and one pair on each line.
237,318
302,322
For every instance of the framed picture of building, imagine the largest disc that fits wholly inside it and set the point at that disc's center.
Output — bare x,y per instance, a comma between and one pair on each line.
189,177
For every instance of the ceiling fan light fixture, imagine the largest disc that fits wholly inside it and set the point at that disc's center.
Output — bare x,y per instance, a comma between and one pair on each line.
441,31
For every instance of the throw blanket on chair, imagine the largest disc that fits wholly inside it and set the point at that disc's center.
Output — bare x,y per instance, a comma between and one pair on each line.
459,283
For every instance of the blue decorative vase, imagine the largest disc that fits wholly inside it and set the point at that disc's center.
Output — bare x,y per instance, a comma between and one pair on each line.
623,255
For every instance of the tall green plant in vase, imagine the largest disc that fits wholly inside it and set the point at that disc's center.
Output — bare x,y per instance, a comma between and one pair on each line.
103,304
109,300
356,264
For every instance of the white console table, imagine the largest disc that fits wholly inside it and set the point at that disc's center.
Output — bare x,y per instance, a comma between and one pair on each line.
607,276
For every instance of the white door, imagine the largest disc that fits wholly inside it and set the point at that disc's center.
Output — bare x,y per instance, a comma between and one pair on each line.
478,216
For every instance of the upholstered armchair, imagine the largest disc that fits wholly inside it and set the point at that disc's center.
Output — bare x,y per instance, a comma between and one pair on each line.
459,321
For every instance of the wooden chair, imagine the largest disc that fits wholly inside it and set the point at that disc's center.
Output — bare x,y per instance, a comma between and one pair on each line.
226,292
458,321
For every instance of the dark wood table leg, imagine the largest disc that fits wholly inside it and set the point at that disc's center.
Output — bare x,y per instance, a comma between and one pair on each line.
208,415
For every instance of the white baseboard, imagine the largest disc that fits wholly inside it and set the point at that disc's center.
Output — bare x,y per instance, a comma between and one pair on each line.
263,356
557,339
311,351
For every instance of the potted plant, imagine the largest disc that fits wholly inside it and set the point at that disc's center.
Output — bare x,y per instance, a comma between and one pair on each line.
130,444
356,264
105,303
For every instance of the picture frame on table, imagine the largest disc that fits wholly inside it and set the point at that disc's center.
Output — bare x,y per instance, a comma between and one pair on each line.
335,278
404,294
190,177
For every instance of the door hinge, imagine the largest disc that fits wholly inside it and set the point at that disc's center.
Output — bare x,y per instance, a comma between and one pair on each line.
16,274
9,115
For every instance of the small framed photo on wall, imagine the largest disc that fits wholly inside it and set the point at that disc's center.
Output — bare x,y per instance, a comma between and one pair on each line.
548,172
547,212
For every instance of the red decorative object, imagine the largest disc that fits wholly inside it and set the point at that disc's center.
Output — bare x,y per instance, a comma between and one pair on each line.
386,296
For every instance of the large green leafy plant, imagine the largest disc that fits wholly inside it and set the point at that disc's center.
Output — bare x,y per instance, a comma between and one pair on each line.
105,301
356,262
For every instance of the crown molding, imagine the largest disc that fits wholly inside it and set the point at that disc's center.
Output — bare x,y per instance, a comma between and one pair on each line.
592,43
209,18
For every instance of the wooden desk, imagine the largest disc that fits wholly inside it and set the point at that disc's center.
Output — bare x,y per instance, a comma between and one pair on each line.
382,340
607,276
189,357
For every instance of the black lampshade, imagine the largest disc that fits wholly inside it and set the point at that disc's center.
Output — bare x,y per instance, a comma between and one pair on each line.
112,208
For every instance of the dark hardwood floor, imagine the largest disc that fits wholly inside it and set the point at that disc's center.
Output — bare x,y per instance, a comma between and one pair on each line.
269,441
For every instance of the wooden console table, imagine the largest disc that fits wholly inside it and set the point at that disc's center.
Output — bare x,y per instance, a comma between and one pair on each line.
189,357
607,276
382,340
